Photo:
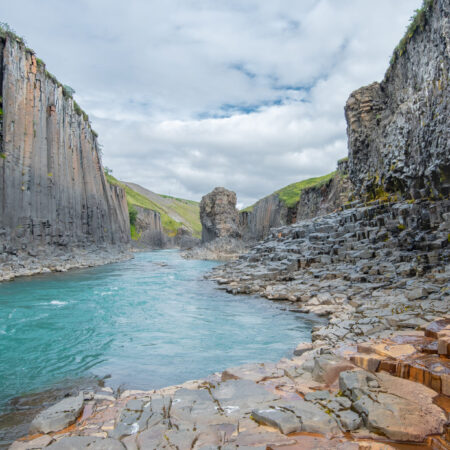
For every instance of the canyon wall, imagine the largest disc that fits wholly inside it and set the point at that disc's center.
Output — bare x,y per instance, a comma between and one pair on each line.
399,129
272,212
267,213
327,197
53,192
149,228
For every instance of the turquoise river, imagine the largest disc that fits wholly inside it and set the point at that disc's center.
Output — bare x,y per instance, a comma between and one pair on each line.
145,323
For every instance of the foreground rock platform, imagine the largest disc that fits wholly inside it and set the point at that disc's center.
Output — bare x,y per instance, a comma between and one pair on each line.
368,396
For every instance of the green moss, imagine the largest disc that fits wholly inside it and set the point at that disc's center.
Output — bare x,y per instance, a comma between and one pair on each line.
3,155
134,234
417,22
401,227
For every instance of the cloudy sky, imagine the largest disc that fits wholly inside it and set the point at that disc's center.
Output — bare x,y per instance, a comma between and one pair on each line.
187,95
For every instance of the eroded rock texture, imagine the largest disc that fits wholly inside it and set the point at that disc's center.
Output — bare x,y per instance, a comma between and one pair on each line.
399,129
219,216
53,192
271,212
327,198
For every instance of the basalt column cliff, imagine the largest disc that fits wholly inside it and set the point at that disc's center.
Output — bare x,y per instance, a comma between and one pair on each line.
55,203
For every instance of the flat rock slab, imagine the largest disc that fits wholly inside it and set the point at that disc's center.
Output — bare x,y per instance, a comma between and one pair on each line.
92,443
253,372
240,396
403,420
39,442
318,443
295,416
58,416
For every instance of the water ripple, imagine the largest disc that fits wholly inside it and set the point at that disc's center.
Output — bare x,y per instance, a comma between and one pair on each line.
149,322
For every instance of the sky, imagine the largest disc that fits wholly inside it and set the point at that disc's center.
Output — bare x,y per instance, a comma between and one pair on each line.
187,95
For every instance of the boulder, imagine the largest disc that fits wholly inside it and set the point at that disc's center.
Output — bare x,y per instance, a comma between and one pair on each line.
58,416
219,216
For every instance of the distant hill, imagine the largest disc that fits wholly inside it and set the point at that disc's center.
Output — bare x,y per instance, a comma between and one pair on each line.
290,195
175,212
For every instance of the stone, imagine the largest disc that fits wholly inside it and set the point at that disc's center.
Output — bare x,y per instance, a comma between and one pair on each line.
219,216
302,348
285,421
349,420
253,372
238,396
33,444
58,416
354,384
313,419
404,420
328,367
80,442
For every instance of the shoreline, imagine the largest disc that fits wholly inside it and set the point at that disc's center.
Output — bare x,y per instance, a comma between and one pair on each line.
312,399
23,265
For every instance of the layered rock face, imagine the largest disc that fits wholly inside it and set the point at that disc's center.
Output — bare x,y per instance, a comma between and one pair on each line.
271,212
219,216
399,129
327,198
148,225
53,192
267,213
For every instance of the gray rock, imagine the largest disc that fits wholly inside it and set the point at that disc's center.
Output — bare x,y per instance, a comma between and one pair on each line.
285,421
66,201
58,416
312,418
349,420
92,443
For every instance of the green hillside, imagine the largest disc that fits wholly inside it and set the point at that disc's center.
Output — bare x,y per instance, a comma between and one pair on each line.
175,212
291,194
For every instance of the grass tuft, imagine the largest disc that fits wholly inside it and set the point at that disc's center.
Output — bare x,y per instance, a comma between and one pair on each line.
417,22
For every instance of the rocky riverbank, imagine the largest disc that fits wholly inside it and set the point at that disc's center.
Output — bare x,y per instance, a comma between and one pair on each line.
51,260
370,269
367,396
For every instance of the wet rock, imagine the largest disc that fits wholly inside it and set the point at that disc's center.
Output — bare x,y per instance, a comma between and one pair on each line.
58,416
302,348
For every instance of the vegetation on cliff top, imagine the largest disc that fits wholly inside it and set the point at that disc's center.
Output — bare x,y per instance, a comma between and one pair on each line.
417,22
187,209
290,195
7,32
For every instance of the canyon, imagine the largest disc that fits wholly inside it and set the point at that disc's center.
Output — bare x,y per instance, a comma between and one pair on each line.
366,247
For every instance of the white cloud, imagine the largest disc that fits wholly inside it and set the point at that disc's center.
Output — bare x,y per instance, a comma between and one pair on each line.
194,94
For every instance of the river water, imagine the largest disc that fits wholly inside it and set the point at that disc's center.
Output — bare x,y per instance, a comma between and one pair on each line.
145,323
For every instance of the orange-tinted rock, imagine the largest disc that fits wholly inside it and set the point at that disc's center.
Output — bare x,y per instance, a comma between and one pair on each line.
370,362
426,369
444,345
308,442
435,327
